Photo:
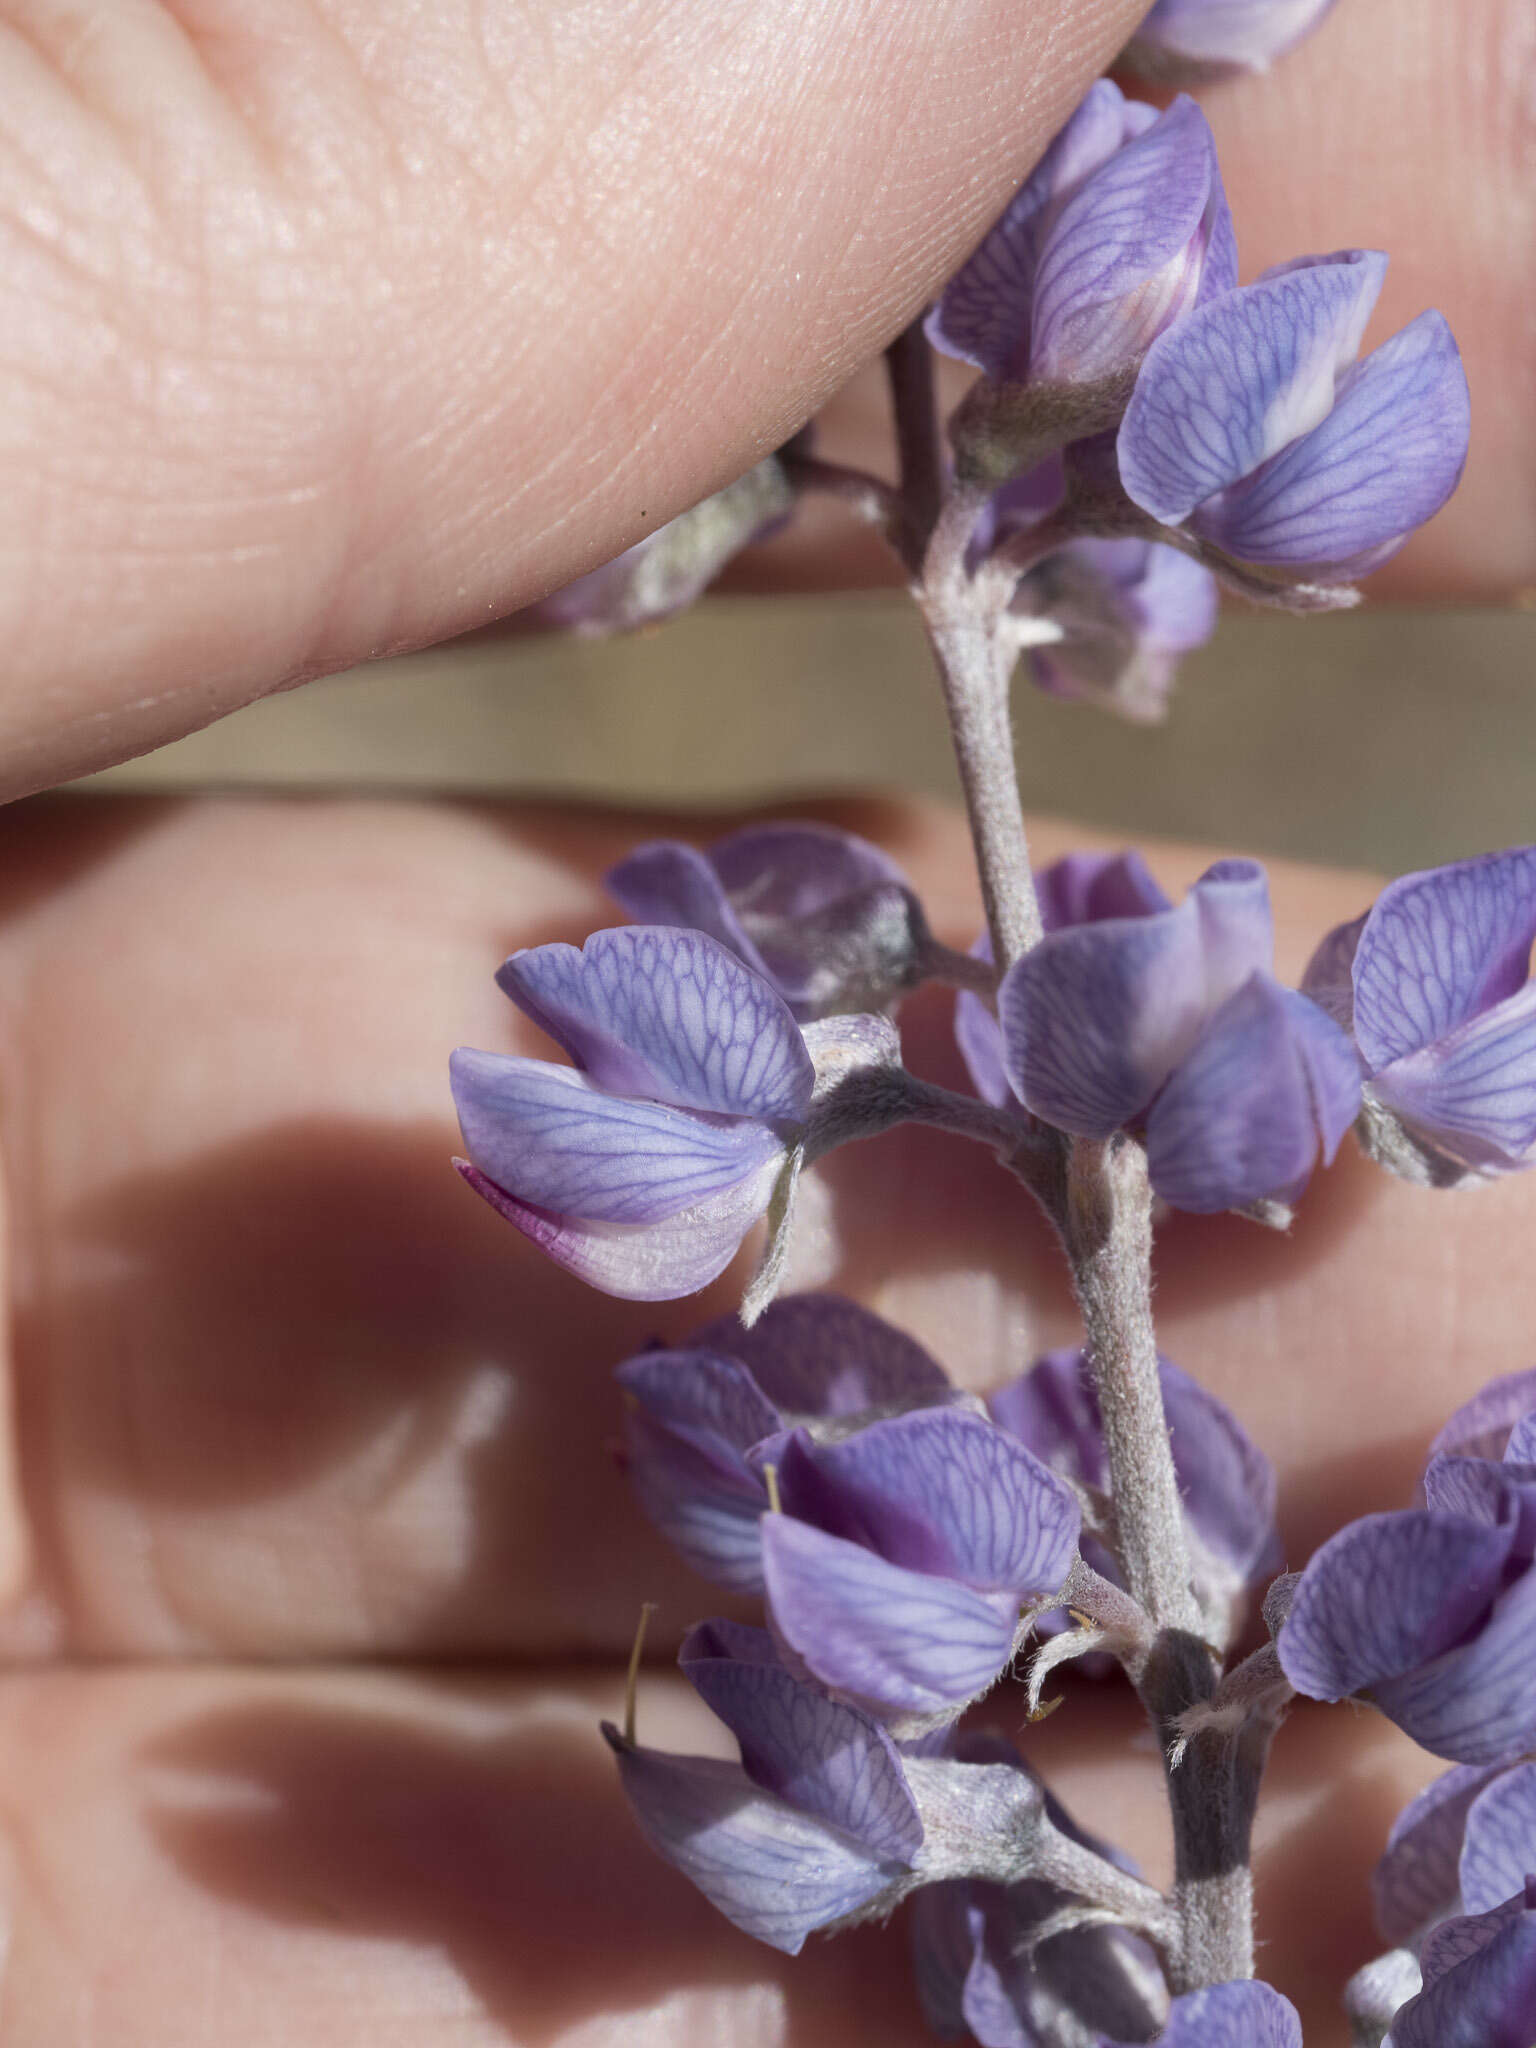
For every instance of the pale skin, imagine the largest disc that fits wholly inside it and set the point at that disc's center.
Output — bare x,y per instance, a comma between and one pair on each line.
281,1389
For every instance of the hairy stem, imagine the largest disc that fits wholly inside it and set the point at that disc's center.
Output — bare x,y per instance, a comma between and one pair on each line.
870,499
1097,1193
1213,1789
1108,1232
1212,1796
963,618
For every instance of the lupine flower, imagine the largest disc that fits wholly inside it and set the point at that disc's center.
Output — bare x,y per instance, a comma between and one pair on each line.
663,573
1464,1846
1193,37
1479,1982
823,1821
1128,611
978,1969
898,1570
1417,1881
1120,229
1081,888
1253,428
1433,984
815,1822
1246,2015
825,917
641,1169
1431,1613
1226,1482
1133,1013
1479,1968
695,1413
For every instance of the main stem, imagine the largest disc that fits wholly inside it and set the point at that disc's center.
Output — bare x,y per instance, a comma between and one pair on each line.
1098,1195
963,629
1107,1228
936,528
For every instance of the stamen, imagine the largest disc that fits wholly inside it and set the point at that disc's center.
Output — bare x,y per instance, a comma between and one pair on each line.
771,1481
647,1609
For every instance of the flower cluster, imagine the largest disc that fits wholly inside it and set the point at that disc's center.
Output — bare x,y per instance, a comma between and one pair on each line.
713,1047
1233,421
912,1532
1143,426
906,1541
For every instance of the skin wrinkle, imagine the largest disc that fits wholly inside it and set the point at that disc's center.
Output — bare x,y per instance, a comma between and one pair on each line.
142,1200
356,599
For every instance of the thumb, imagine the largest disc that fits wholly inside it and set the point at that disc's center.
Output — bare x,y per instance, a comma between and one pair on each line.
336,329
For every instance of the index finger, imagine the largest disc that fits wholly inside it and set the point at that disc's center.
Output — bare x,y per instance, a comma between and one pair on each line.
285,1388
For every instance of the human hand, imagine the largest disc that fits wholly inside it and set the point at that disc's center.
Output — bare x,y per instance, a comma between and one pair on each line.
286,1391
339,328
282,1391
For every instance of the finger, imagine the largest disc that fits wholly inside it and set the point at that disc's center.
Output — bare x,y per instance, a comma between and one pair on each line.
1402,125
357,1860
284,1387
346,327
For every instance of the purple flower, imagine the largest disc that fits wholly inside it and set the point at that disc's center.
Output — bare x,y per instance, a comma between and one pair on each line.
897,1572
1417,1881
1431,1613
663,573
979,1970
1246,2015
1227,1483
1479,1977
694,1414
1121,228
1433,983
822,915
823,1821
1195,37
641,1169
1465,1846
815,1822
1253,428
1081,888
1133,1013
1127,611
